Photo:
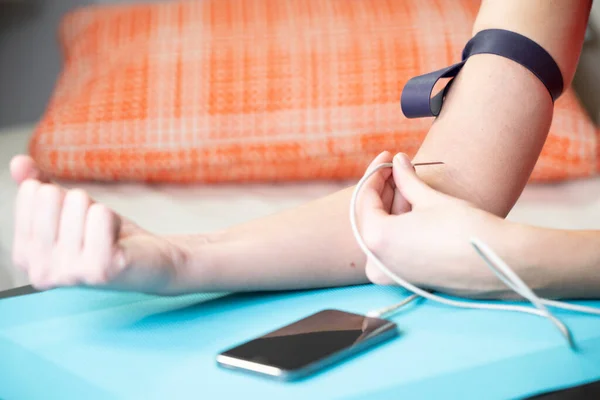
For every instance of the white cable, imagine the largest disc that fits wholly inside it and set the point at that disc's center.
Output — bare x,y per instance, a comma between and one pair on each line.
492,260
489,256
512,280
388,311
571,307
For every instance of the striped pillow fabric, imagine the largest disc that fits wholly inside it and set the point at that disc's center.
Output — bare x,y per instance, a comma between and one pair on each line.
259,90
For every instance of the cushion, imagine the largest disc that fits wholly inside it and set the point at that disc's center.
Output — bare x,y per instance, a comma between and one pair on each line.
259,90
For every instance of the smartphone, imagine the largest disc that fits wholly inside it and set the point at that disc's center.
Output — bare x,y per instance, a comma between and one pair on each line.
307,346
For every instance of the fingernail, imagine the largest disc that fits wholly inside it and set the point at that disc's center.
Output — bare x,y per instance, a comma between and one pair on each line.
403,160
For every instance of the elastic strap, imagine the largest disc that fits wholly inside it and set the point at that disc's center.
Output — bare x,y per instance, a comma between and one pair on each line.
417,102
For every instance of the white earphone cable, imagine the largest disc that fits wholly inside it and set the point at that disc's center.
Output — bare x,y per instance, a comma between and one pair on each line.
492,260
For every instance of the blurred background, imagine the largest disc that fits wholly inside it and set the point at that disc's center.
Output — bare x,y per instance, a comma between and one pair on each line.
30,63
30,58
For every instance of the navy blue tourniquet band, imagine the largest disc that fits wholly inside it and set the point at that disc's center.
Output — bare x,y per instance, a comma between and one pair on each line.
417,102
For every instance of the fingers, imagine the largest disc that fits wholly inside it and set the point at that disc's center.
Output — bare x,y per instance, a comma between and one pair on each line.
400,205
69,244
370,200
370,209
46,215
22,167
23,220
62,238
37,217
387,194
99,244
71,231
412,188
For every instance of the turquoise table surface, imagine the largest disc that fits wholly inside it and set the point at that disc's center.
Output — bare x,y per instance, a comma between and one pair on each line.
87,344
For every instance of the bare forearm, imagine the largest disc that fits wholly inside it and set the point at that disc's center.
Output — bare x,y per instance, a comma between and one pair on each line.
568,262
554,263
309,246
489,134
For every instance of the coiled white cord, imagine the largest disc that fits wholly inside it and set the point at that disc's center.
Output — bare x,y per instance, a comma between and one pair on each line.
492,260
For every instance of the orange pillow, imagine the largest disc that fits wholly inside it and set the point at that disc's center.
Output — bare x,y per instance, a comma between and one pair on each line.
259,90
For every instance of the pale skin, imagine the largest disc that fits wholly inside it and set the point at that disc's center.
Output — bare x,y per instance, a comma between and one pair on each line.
489,136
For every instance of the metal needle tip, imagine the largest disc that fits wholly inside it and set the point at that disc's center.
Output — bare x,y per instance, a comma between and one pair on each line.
428,163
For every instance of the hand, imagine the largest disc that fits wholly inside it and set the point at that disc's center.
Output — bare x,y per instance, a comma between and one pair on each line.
428,246
63,238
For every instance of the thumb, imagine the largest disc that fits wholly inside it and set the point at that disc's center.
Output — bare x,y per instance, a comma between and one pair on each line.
414,190
22,167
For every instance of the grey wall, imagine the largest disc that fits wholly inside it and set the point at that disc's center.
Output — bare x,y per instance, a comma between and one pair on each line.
29,56
30,59
587,78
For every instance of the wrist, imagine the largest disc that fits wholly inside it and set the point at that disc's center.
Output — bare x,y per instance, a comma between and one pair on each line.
505,238
469,275
520,249
561,263
192,262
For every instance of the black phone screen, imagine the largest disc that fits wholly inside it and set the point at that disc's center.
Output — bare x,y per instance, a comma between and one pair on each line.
311,339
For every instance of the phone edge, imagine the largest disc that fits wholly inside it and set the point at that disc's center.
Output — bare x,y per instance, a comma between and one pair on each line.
279,374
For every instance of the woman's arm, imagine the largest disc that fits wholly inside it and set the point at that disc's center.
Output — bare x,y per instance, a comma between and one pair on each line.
496,118
554,263
558,263
489,134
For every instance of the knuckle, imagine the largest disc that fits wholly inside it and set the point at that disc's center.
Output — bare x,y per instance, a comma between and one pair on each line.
96,278
36,284
39,278
66,278
63,272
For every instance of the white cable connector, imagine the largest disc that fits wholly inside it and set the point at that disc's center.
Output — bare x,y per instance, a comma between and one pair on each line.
390,310
492,260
